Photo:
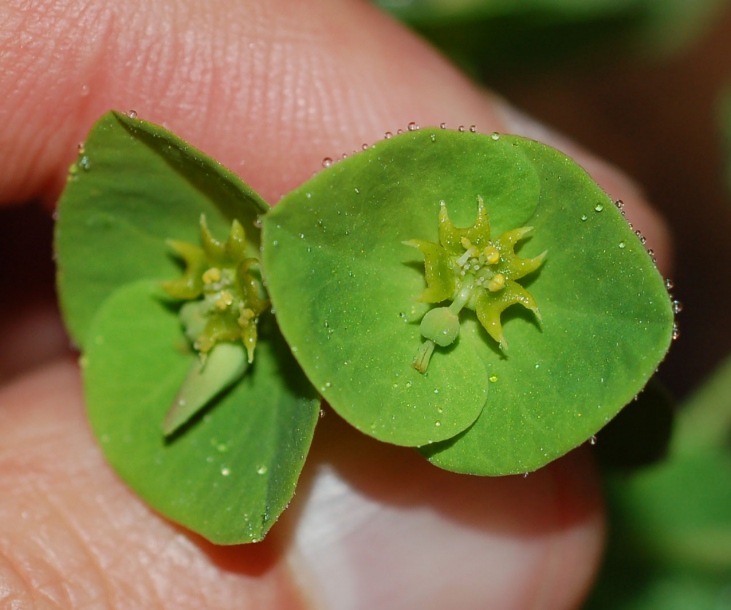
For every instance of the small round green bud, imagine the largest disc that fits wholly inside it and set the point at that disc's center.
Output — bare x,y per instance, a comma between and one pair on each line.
440,325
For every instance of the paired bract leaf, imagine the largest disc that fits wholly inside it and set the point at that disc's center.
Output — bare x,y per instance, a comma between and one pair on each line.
229,473
334,247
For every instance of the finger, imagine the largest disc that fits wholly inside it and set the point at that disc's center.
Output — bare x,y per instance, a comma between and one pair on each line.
382,528
267,88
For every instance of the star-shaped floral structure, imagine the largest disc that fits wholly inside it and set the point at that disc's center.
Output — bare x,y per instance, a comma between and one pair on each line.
223,295
472,271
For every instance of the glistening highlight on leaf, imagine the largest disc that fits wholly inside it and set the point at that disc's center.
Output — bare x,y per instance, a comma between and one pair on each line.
392,274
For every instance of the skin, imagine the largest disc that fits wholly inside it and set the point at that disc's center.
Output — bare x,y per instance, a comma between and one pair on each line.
269,88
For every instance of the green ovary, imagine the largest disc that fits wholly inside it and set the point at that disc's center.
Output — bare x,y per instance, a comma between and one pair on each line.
223,295
471,270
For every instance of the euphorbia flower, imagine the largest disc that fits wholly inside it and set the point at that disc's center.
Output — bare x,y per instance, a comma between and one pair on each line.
472,271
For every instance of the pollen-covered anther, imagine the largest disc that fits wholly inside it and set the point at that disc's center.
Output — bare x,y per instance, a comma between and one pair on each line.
492,255
212,275
496,283
246,316
224,300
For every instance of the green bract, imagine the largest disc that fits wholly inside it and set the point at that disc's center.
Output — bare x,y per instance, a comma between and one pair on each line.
391,276
335,246
230,473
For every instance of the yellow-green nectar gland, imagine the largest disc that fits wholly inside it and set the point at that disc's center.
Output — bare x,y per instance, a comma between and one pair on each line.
469,269
223,295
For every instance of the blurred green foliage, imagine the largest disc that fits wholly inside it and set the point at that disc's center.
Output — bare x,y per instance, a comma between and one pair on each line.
670,524
498,36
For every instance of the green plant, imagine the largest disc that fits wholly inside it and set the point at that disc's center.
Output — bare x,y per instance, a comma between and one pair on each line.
190,379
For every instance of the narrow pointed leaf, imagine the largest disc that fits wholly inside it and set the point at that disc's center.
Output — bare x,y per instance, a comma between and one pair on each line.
206,379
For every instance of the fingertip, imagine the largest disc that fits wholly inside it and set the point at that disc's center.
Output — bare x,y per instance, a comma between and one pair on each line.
377,526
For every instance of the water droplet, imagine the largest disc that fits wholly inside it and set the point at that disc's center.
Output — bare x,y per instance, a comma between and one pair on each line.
302,235
399,132
408,384
433,138
257,222
84,163
225,471
525,475
388,135
495,136
442,125
584,217
473,128
669,284
437,423
322,413
598,207
84,90
412,126
621,244
364,147
676,332
677,306
261,470
80,148
619,203
357,191
327,162
132,114
493,378
461,128
436,391
592,440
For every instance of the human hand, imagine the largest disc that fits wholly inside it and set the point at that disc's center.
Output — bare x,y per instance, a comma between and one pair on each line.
268,88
